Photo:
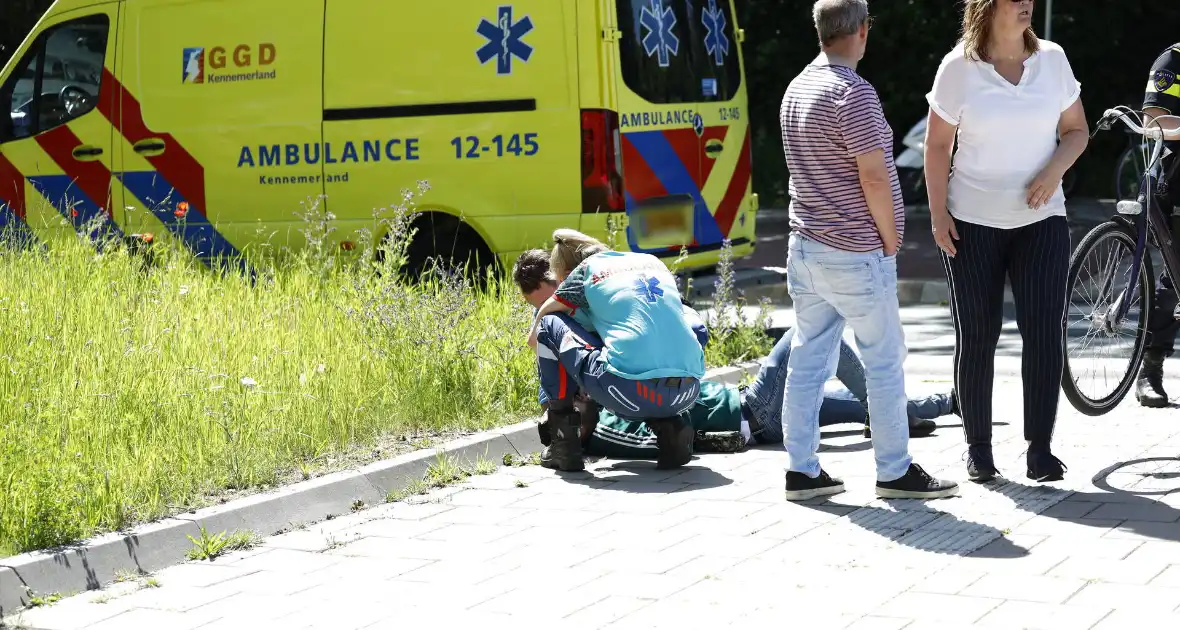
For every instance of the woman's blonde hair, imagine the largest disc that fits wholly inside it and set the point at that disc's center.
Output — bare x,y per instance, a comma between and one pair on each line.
978,16
570,248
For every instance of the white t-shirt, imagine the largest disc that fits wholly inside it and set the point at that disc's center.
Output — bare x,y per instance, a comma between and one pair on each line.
1007,133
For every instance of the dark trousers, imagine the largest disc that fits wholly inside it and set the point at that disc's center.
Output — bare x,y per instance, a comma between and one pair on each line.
1162,325
1035,259
571,361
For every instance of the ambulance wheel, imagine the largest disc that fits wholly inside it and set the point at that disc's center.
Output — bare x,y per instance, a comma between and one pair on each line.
445,242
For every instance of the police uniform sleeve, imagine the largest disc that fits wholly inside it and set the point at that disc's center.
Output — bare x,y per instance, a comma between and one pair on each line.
1163,90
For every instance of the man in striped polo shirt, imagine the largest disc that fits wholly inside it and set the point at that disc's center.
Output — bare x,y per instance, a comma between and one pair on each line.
847,220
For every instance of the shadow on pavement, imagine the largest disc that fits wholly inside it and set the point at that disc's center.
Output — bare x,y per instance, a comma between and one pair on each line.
645,478
927,529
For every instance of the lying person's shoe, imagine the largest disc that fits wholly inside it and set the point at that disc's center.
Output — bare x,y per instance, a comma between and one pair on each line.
916,484
1044,466
919,427
565,447
981,466
719,442
800,487
674,437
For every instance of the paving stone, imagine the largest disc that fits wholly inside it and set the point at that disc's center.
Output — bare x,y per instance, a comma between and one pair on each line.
938,608
1157,550
1107,570
1169,578
180,598
949,581
1152,599
72,614
415,548
605,611
286,560
1076,528
1123,619
879,623
1029,588
149,619
1041,616
460,572
1146,531
200,574
1147,511
1072,509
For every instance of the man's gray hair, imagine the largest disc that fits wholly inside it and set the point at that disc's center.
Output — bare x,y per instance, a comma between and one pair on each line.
838,18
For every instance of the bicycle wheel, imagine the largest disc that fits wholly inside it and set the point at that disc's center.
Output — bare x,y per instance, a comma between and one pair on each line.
1129,173
1098,281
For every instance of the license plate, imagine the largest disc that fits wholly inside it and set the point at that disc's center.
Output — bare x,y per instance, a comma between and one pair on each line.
663,226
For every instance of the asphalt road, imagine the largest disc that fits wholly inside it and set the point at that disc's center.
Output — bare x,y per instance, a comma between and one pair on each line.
919,258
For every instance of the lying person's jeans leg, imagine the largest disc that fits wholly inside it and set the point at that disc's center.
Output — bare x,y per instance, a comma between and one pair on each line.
571,360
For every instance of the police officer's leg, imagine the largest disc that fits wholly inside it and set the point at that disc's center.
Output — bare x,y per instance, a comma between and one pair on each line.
1161,332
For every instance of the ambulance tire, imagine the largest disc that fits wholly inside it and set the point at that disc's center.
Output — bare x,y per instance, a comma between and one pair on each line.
444,241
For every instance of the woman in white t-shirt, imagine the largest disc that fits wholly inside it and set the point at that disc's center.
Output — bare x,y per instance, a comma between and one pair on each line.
1013,104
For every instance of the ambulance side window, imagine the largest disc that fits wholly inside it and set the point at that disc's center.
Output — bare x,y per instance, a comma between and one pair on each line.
42,94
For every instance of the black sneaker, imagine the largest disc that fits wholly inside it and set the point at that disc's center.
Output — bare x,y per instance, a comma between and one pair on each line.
916,484
800,487
981,466
1045,467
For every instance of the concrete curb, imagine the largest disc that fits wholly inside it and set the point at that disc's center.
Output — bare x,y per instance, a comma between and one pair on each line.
164,543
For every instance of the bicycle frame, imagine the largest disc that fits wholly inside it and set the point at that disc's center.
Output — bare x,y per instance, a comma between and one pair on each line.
1153,222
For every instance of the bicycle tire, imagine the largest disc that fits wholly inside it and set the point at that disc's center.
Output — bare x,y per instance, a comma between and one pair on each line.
1126,236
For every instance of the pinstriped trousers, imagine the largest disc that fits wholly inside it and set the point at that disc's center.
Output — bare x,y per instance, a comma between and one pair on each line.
1035,259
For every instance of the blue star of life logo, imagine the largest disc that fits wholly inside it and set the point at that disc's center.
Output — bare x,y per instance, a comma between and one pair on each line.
504,40
716,43
649,288
660,40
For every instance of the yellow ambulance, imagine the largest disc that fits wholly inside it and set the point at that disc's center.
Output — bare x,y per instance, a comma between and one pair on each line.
216,121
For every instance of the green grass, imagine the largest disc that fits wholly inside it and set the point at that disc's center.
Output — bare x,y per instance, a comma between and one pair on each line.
133,391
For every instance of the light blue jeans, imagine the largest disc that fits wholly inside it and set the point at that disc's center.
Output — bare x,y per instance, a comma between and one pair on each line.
830,287
763,399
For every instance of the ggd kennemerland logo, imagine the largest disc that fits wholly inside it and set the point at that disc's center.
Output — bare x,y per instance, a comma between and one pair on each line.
220,64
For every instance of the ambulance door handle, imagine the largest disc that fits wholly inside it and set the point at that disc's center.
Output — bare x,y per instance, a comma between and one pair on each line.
713,147
150,147
87,153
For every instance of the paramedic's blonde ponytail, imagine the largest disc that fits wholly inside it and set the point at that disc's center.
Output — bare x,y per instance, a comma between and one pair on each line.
570,248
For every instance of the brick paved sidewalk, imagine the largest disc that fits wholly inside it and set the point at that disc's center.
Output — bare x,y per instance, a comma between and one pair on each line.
715,545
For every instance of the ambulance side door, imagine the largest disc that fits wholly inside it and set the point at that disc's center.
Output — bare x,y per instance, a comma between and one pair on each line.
56,144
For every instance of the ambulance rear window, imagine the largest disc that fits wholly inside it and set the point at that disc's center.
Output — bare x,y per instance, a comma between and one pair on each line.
679,51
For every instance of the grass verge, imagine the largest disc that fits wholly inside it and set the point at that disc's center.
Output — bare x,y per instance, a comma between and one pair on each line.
137,389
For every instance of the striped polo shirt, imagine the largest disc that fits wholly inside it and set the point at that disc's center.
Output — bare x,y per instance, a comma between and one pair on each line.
829,116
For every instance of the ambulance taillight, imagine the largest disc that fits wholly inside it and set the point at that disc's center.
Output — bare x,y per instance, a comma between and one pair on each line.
602,162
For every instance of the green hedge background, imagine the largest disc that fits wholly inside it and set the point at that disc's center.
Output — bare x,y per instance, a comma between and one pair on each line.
1111,44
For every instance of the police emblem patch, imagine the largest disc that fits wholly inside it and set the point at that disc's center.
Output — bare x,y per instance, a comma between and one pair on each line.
1163,79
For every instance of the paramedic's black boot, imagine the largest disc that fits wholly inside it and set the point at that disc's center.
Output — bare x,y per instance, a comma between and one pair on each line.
674,437
1149,390
565,447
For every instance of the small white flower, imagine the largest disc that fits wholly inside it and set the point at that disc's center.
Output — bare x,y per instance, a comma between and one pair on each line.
248,382
320,368
184,289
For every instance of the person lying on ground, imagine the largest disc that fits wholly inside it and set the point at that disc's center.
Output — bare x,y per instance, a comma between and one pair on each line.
724,418
643,362
728,419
